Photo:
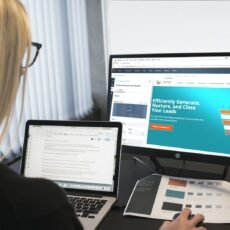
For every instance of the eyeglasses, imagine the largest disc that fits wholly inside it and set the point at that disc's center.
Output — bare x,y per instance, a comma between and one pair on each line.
35,48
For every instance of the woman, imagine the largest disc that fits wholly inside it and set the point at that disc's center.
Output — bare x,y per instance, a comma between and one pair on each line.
24,203
27,203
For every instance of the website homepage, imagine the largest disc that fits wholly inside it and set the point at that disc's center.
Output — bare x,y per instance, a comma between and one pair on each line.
180,104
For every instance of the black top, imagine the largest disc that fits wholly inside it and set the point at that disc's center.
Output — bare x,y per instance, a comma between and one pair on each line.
37,204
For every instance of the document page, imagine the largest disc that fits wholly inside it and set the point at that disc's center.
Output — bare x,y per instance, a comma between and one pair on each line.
74,157
170,195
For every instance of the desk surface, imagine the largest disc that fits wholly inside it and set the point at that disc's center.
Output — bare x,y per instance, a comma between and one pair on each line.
131,171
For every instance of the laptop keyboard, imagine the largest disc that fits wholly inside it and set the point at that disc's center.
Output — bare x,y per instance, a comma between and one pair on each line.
86,207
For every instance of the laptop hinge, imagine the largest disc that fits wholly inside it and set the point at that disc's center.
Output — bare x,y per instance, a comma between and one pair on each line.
85,194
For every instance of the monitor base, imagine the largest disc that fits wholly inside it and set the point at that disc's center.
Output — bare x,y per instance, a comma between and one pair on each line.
183,172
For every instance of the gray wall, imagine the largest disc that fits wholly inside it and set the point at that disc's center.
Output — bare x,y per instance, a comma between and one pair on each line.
150,26
97,59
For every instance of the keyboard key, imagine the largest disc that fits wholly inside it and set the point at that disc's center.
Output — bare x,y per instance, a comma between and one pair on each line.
85,206
84,214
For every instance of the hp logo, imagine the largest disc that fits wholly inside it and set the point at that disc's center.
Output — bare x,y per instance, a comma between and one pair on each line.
177,155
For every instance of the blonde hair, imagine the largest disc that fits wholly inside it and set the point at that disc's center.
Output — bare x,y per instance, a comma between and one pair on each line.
15,43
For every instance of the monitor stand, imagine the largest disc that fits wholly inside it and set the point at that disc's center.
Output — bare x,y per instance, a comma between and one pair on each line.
158,167
185,172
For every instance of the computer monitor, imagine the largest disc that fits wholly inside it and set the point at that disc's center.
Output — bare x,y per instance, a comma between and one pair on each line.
173,105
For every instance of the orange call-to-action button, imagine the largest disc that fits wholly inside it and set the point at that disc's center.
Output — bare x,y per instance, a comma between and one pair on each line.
225,111
226,122
161,127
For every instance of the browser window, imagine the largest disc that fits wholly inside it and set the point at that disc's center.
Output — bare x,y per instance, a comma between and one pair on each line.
163,100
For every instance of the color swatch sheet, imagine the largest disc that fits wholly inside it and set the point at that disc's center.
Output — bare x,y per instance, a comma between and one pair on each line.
161,197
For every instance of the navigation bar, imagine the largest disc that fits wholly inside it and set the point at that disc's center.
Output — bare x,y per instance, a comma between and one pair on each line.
173,70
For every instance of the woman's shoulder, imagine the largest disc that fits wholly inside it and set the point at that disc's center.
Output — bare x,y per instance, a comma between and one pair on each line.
34,192
34,200
11,178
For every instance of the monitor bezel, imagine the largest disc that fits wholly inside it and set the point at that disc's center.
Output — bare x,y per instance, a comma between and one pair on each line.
161,153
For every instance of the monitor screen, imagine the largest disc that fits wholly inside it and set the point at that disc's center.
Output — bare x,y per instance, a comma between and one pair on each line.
173,105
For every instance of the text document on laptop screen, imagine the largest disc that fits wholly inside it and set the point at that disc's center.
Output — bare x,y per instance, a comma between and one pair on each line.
74,157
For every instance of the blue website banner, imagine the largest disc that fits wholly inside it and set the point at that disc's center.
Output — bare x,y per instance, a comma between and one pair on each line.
189,117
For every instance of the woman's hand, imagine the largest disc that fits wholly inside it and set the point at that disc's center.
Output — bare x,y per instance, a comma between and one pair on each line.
183,223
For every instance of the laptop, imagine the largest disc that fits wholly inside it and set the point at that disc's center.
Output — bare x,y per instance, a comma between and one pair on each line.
82,157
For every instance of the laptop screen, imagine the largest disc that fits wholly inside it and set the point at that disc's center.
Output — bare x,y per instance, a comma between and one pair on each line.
75,157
